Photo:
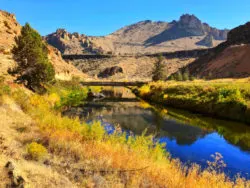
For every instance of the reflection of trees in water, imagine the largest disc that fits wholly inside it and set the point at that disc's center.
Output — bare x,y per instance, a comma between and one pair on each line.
183,134
112,93
239,136
137,120
117,92
235,133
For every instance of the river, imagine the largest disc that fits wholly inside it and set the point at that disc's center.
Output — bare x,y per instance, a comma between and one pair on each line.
192,138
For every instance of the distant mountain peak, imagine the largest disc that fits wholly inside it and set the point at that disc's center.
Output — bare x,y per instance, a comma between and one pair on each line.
145,37
186,18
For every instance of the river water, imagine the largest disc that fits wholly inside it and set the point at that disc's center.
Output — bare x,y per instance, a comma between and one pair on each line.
190,137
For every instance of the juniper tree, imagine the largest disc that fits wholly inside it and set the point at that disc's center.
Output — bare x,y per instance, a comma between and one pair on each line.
159,70
179,76
186,75
31,54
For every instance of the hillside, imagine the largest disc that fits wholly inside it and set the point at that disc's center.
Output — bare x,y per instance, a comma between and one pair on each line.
133,68
9,29
229,60
143,37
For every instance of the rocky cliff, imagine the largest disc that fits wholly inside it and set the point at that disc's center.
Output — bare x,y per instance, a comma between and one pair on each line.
143,37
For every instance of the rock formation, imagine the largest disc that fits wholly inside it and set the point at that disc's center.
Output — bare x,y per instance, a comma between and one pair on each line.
72,43
207,41
110,72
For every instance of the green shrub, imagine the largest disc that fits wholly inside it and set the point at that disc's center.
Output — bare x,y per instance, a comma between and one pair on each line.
73,98
36,151
95,131
186,75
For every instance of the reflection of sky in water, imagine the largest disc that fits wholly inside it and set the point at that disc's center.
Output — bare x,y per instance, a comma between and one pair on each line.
186,142
201,150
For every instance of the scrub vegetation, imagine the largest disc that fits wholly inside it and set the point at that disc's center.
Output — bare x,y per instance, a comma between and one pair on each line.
228,98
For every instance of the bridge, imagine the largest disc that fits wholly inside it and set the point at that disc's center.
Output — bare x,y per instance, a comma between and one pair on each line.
170,55
109,83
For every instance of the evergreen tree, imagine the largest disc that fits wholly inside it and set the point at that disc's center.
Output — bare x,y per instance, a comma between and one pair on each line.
171,77
186,75
192,78
179,76
159,72
31,54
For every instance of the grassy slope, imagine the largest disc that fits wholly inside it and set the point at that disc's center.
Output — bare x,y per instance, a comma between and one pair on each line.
226,98
84,156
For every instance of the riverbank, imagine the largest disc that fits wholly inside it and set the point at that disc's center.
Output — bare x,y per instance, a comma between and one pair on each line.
228,99
50,150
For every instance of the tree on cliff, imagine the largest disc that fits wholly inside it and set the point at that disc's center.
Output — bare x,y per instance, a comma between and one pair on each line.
31,54
159,70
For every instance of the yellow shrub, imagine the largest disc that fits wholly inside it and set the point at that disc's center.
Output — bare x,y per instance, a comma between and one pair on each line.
36,151
145,105
144,89
53,99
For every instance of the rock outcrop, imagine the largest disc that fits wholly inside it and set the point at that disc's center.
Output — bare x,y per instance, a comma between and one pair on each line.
191,25
187,26
207,41
72,43
110,71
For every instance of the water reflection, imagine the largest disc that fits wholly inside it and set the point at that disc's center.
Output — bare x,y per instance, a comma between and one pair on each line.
190,137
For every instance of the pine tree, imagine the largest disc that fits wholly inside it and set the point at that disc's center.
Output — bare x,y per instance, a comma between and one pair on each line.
159,72
31,54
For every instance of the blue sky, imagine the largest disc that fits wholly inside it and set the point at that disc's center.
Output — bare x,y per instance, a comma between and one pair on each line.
101,17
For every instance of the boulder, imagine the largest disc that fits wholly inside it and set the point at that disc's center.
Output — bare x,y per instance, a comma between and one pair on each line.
110,71
16,179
